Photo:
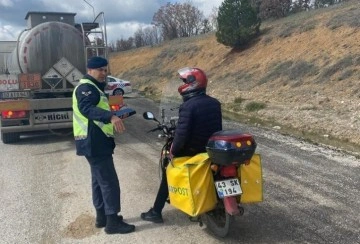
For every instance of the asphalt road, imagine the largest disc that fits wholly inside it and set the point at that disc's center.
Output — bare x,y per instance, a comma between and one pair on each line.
311,193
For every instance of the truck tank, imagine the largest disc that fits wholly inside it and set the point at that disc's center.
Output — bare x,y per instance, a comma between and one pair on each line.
47,63
39,48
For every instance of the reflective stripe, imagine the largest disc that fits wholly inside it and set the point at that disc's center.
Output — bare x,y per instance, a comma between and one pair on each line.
100,124
80,123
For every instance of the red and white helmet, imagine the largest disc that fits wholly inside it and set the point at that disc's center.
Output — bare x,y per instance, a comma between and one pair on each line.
194,78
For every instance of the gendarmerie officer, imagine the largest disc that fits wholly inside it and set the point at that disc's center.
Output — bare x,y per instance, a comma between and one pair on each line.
94,126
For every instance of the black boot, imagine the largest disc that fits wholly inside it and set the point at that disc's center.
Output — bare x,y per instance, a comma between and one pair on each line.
100,220
116,226
152,216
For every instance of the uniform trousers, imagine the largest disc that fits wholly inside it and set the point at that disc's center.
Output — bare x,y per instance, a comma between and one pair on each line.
105,184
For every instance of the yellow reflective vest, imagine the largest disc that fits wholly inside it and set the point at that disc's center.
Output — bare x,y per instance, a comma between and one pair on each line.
81,123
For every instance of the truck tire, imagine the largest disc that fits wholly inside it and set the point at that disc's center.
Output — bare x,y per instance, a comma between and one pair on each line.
10,137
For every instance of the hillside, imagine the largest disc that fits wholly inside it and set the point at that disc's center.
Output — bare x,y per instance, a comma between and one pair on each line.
305,70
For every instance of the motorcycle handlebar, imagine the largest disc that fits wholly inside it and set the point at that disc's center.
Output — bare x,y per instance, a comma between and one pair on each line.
161,127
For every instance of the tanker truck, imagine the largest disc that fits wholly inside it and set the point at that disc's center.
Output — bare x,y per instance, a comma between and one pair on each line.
38,77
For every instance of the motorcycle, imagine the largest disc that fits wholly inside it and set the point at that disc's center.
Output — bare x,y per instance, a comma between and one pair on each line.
227,150
168,132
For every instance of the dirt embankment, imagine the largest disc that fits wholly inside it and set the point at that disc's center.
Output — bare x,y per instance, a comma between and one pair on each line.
304,68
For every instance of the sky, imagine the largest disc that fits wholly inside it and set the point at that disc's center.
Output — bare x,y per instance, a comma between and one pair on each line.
123,17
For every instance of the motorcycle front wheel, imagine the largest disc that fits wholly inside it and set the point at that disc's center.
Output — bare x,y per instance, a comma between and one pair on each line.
218,221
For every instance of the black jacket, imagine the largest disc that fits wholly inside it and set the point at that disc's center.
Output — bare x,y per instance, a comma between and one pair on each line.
199,117
97,143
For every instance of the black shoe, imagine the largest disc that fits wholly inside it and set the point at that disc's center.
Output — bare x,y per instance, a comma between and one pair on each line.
100,221
152,216
120,228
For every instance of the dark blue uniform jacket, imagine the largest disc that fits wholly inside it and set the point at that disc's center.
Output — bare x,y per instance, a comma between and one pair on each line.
199,117
97,143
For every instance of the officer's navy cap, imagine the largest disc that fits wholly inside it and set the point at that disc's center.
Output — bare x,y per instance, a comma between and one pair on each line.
97,62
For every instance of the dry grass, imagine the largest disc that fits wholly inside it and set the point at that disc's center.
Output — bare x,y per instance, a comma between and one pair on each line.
309,60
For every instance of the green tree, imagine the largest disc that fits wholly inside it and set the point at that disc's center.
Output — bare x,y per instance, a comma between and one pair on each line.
237,22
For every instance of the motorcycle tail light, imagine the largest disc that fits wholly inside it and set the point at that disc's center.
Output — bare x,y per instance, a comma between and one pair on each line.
228,171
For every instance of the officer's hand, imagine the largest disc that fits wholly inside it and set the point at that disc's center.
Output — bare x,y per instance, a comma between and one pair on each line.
117,123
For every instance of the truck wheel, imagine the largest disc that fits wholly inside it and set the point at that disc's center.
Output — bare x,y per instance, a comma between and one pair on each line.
10,137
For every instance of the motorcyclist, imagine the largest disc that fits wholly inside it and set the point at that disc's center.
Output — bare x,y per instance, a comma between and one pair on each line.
199,117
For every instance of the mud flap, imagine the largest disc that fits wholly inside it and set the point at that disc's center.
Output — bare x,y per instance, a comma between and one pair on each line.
231,206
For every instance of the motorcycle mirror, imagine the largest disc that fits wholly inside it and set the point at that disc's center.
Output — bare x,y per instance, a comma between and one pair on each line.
148,116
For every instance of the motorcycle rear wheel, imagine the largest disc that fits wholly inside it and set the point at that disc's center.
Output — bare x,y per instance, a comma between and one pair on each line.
218,221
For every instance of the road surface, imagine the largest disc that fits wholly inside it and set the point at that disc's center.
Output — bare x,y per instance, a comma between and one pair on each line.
311,193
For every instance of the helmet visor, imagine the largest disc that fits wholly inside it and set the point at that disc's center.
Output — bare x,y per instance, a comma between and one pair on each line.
186,75
184,72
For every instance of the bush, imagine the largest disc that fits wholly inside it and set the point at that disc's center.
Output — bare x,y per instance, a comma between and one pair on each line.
346,74
350,18
301,69
254,106
340,65
290,70
238,100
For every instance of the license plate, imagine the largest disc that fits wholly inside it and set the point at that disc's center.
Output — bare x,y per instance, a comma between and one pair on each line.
15,94
42,118
226,188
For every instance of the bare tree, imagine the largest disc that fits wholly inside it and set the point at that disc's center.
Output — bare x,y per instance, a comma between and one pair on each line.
123,45
206,26
178,20
189,19
156,35
112,47
150,36
147,36
213,18
139,38
300,5
325,3
164,19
